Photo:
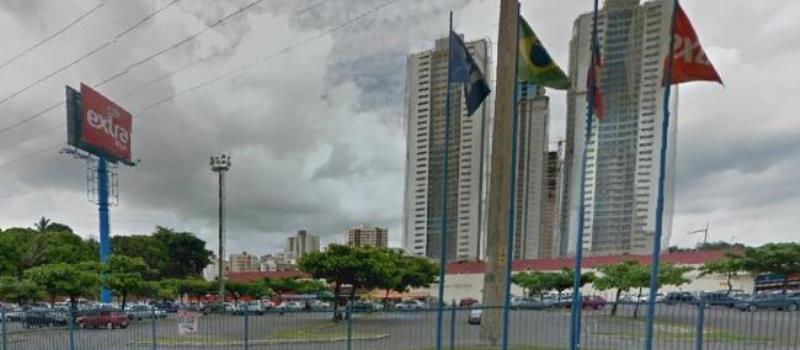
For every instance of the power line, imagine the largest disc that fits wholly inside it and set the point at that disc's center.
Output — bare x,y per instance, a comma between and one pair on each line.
232,71
128,68
94,51
51,36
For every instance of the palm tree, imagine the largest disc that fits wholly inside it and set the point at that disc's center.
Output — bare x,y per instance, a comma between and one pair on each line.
42,225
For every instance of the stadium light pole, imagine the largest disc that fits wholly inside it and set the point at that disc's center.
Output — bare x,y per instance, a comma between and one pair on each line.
220,165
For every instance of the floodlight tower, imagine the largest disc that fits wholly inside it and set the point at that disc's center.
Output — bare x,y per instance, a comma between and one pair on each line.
220,165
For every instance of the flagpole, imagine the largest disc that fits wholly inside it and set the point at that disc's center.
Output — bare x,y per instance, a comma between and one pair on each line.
443,234
655,260
575,329
512,194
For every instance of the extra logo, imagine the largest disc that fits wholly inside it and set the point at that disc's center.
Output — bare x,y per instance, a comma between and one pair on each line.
106,124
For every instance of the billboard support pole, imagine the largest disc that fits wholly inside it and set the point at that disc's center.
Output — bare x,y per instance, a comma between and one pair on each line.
105,227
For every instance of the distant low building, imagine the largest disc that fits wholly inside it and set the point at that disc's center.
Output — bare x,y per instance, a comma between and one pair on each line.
276,262
367,236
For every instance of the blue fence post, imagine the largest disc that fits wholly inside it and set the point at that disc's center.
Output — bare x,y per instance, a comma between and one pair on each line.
71,326
3,325
698,345
453,325
350,325
153,327
246,328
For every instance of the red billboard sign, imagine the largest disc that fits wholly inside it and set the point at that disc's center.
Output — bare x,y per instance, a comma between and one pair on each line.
105,126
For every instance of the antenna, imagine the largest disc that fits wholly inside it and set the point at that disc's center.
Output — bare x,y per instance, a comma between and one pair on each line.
704,231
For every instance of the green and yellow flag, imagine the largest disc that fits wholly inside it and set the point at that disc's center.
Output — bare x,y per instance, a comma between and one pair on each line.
534,63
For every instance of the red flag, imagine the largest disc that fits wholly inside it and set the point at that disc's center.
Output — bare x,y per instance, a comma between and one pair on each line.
689,60
593,84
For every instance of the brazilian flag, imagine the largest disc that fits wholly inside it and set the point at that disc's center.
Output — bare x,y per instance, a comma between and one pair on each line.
534,63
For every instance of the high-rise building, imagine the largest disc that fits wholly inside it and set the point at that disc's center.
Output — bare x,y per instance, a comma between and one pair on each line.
623,155
299,245
426,94
548,247
532,142
367,236
211,272
244,262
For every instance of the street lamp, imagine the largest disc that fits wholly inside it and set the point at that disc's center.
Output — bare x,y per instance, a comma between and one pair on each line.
220,165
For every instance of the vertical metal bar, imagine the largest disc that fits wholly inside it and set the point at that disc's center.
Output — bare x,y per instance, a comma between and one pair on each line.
71,326
105,227
153,328
350,325
453,325
662,170
575,329
3,322
699,326
443,234
221,259
246,328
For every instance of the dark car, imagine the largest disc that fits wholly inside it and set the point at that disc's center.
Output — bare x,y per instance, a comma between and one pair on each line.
679,298
43,318
717,299
784,302
467,302
593,303
104,319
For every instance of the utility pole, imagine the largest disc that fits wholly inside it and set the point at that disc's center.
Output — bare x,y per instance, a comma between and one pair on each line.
499,189
220,165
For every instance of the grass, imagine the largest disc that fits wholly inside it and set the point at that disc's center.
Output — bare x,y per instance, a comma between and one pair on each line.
323,332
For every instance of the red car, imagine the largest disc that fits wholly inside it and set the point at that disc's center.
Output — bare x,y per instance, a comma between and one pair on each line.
467,302
104,319
594,303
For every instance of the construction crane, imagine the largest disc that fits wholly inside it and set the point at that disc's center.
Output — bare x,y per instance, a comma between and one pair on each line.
704,231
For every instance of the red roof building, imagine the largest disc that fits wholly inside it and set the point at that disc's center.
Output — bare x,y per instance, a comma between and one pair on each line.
258,275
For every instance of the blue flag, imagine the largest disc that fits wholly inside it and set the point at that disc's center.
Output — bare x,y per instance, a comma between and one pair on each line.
463,69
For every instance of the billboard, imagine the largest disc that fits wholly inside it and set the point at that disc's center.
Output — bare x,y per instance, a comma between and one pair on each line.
98,125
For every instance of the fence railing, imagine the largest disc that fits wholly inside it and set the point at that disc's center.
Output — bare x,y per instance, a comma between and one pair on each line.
677,326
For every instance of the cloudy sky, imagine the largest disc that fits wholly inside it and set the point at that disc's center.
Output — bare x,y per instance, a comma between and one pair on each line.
307,97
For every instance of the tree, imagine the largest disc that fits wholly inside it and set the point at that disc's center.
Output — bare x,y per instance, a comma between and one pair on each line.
70,280
188,254
534,282
52,247
782,259
630,274
339,265
191,286
564,280
125,275
18,291
729,267
150,249
42,225
405,272
281,286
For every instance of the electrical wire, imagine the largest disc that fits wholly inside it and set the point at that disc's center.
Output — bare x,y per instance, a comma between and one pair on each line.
236,70
51,36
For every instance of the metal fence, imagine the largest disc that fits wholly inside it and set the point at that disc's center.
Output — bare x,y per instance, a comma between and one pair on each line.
679,326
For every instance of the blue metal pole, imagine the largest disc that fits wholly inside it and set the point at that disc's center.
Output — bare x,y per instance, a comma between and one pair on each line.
443,235
575,329
350,325
3,322
511,196
698,344
71,328
105,229
153,328
655,260
453,325
246,328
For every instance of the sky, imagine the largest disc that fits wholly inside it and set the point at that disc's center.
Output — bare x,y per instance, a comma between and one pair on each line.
307,97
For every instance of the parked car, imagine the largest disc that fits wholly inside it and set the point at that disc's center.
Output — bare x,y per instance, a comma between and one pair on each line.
252,308
474,316
467,302
290,306
43,318
717,299
168,307
217,308
140,312
529,304
104,319
593,302
772,301
673,298
410,304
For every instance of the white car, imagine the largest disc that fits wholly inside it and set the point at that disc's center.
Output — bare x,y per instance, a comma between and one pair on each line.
410,304
475,316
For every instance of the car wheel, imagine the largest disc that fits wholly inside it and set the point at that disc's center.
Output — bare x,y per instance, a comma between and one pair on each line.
110,325
752,308
791,307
